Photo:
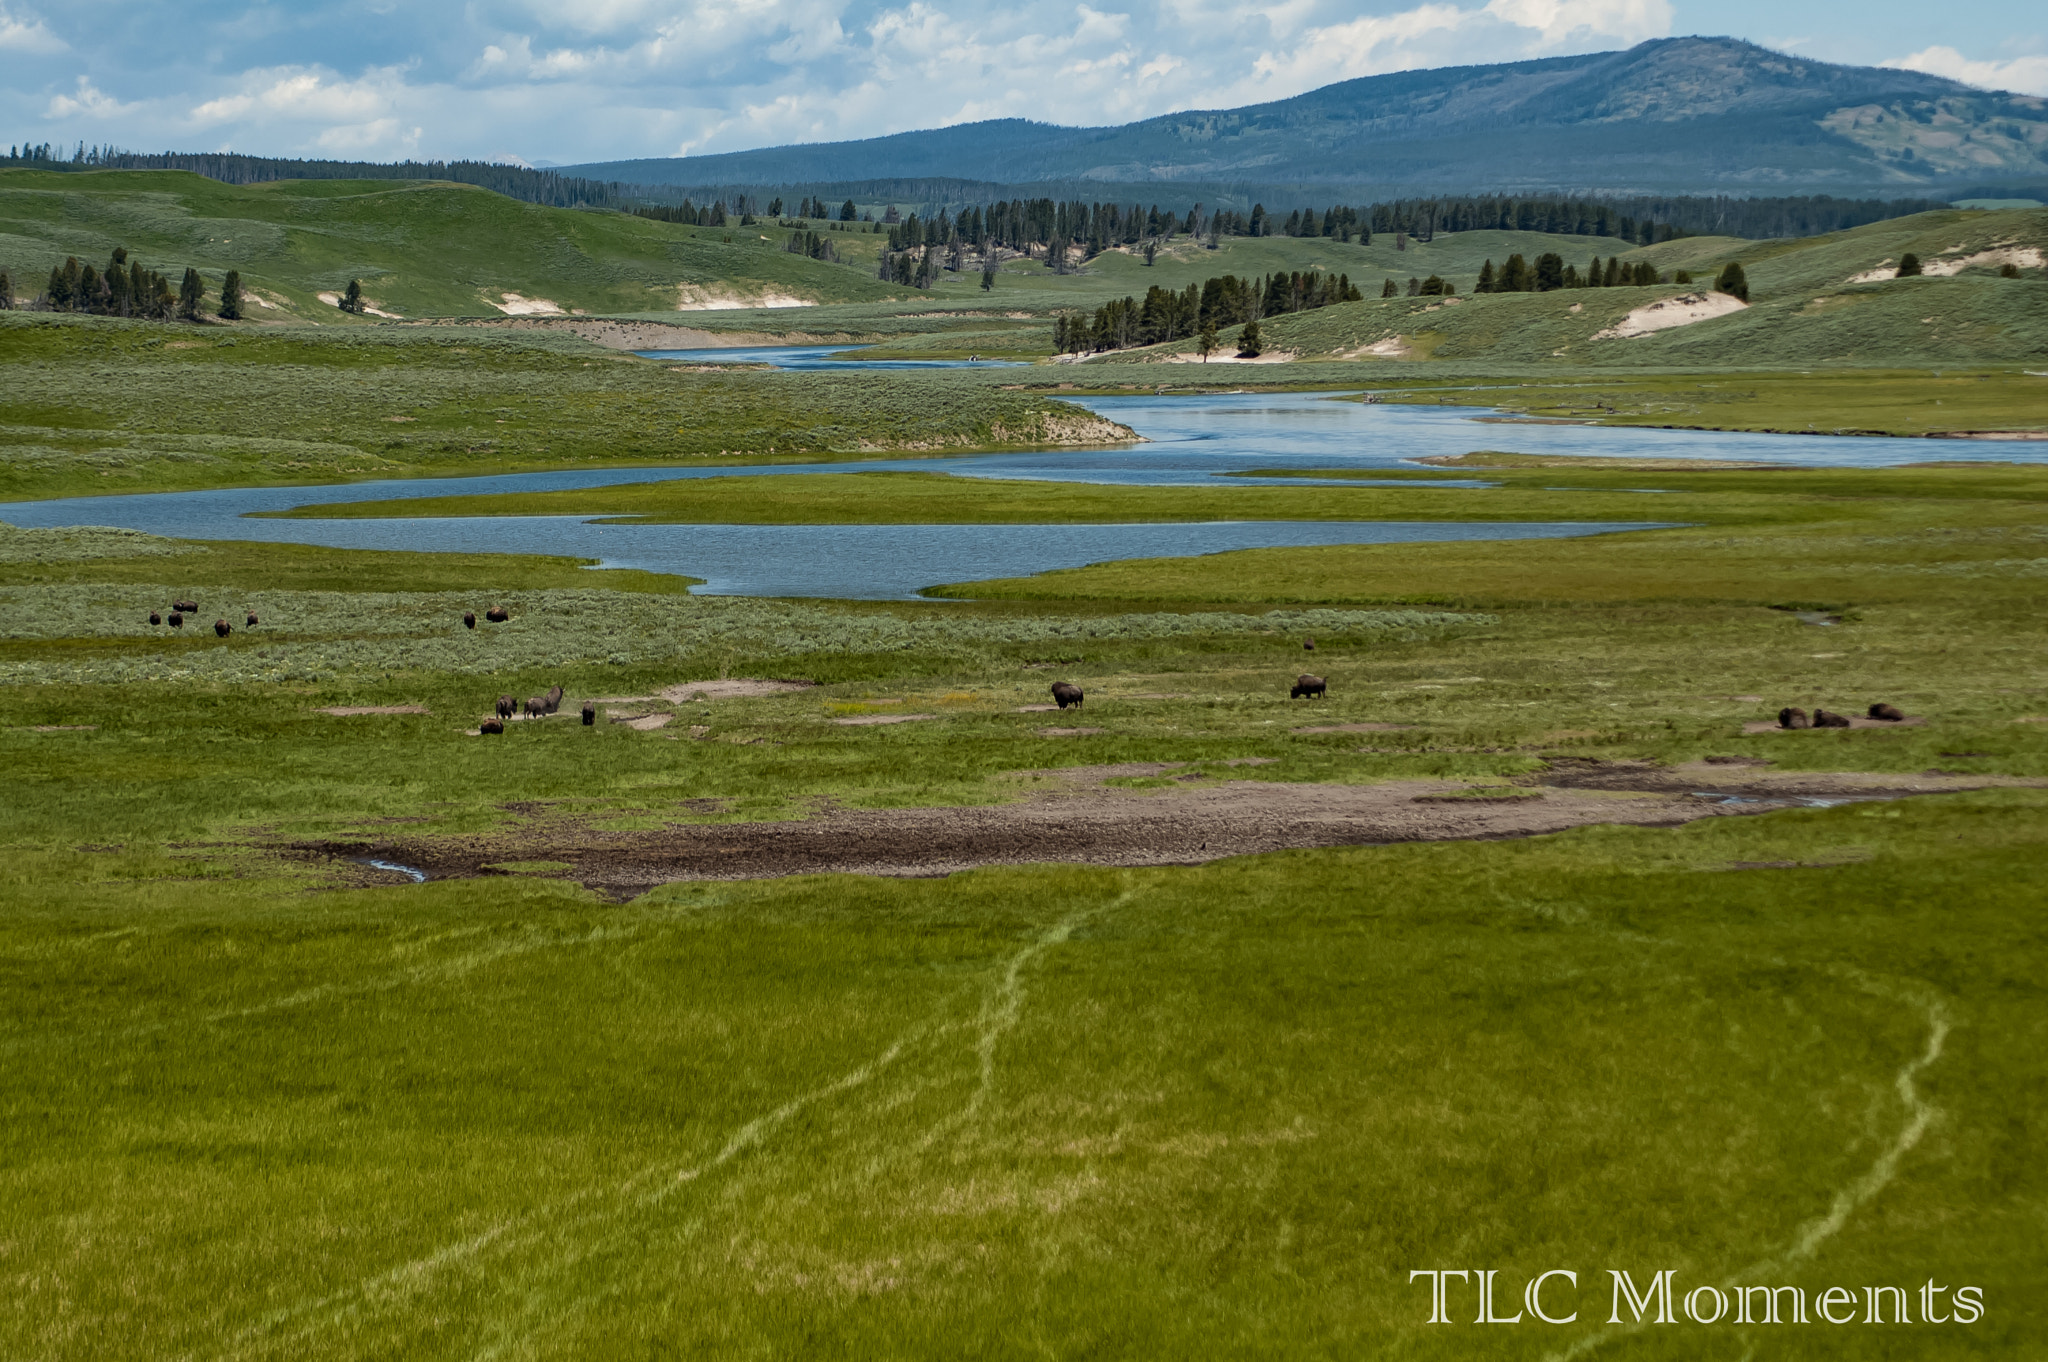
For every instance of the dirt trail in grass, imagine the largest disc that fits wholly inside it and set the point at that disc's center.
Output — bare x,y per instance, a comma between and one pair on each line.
1075,817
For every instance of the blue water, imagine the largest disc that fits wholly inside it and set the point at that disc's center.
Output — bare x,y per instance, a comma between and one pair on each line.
1189,441
843,357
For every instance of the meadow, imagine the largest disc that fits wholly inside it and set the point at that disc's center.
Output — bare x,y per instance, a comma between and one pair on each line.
269,1102
1765,1010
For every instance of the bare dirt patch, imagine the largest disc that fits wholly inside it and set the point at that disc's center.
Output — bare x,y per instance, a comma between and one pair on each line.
862,720
1072,816
350,711
731,688
1666,313
1066,732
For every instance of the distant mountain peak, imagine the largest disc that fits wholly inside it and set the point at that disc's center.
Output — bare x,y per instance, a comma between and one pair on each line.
1672,115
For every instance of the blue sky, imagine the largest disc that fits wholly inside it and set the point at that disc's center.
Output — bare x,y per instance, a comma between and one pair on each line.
574,80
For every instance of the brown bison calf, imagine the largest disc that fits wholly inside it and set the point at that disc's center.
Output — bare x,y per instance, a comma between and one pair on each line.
491,726
1793,717
221,628
589,713
469,619
1891,714
1823,718
1308,645
1067,693
506,706
1306,685
252,619
497,614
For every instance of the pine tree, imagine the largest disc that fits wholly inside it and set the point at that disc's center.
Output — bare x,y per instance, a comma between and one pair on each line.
1249,346
1414,286
231,297
1389,290
191,292
1594,279
1485,284
6,291
1514,276
1206,342
1733,282
1549,272
1909,266
352,301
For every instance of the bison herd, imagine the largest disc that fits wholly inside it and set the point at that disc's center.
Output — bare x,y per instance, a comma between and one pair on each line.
180,609
534,707
1794,717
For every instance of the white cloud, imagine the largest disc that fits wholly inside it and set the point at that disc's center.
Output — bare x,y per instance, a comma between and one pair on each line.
2026,75
90,102
26,32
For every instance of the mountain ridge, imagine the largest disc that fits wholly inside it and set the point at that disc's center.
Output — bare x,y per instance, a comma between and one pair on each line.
1690,114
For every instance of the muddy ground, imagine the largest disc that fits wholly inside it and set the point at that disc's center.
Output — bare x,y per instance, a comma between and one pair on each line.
1073,815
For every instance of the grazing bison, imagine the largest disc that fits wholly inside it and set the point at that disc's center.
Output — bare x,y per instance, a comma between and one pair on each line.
1308,645
221,628
177,620
1793,717
1306,685
185,607
491,726
497,614
155,618
252,619
1828,719
554,698
1891,714
589,713
1067,693
469,619
506,706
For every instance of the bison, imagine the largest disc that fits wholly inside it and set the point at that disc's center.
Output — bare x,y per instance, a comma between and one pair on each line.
1828,719
535,706
1067,693
554,698
469,619
252,619
1306,685
221,628
1308,645
497,614
1793,717
155,618
491,726
177,620
185,607
506,706
1891,714
589,713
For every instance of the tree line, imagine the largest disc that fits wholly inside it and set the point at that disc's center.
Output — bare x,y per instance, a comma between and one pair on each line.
1199,309
514,182
1551,272
125,289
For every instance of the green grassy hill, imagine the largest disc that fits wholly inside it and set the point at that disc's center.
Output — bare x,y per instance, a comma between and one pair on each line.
1809,303
421,248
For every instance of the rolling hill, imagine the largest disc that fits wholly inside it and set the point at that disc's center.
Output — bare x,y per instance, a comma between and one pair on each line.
420,248
1675,115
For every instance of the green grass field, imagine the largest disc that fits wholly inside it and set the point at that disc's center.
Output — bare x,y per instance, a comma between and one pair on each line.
260,1110
265,1101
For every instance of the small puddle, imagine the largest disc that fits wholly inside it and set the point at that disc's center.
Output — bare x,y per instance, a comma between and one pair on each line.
417,876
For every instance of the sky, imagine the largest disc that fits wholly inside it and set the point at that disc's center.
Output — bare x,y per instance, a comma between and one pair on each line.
565,81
